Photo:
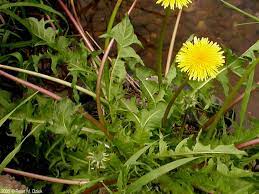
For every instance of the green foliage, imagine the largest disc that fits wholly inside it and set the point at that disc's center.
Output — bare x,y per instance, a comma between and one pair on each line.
183,150
141,156
4,119
135,186
15,151
117,77
123,33
38,29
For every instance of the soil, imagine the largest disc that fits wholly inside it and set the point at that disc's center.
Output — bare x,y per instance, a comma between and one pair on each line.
8,182
205,18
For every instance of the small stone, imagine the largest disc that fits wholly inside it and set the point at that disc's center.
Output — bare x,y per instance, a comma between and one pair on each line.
9,182
202,25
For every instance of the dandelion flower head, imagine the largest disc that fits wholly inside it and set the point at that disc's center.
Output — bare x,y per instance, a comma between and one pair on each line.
200,59
174,3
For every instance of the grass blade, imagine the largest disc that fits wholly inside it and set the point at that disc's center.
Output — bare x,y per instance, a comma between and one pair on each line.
135,186
17,107
136,156
246,98
29,4
11,155
240,11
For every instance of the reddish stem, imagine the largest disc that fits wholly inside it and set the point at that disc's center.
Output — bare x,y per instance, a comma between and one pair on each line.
80,30
56,97
235,102
77,26
45,178
250,143
99,185
100,73
99,81
30,85
51,23
75,13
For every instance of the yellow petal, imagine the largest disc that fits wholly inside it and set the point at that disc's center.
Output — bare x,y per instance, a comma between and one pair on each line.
200,59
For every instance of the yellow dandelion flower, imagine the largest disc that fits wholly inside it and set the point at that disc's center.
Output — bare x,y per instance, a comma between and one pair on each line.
174,3
200,59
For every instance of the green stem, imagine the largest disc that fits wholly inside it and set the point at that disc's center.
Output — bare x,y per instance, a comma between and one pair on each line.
229,99
101,70
30,120
246,23
111,21
53,146
240,11
160,46
56,80
170,104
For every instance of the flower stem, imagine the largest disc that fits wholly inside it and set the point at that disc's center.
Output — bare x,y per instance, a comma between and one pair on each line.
171,48
100,74
111,21
170,104
99,81
160,44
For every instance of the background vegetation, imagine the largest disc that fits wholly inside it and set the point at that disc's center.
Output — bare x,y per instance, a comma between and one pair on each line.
97,123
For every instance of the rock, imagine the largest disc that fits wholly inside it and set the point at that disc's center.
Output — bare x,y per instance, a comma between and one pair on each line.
201,26
9,182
